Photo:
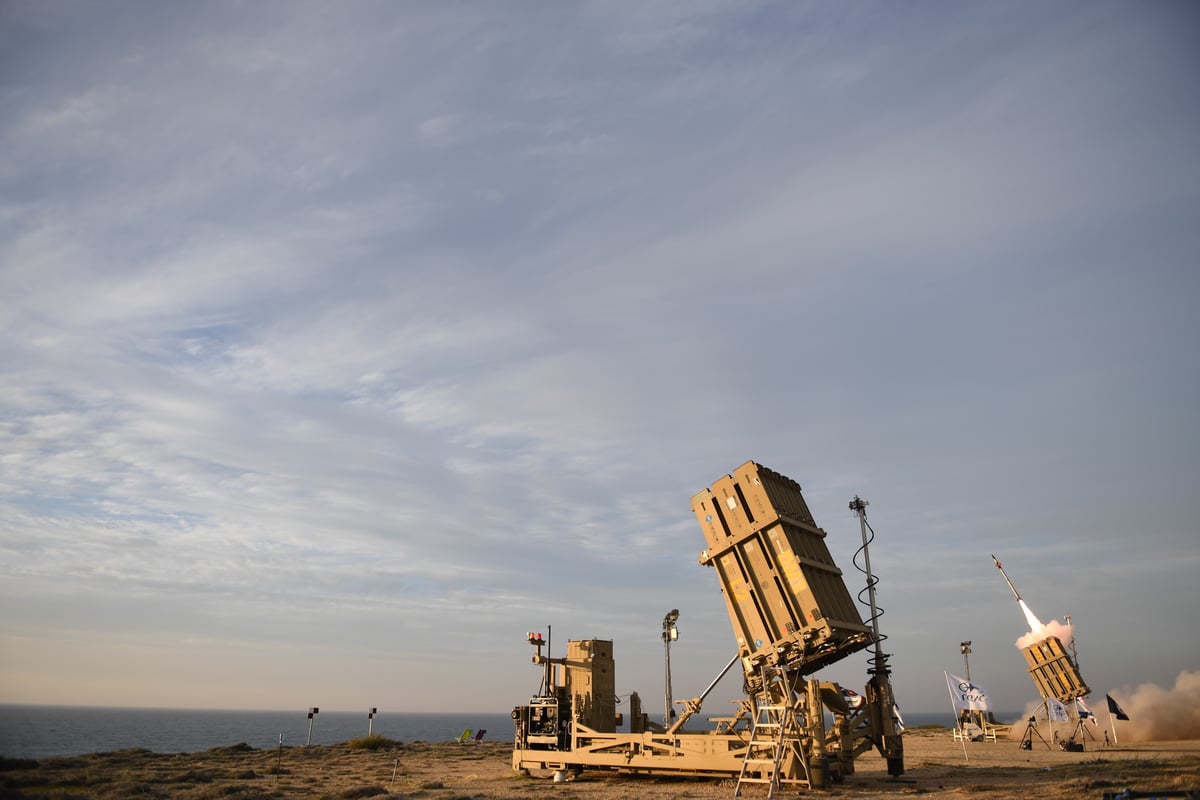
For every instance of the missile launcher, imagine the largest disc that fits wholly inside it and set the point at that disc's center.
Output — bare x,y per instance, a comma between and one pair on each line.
792,615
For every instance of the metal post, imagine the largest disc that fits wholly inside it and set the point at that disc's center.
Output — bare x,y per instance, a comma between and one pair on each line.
1074,654
818,762
371,720
859,507
549,676
893,746
965,649
667,706
670,633
312,712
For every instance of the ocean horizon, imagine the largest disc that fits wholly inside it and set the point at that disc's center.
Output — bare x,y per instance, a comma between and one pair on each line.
46,731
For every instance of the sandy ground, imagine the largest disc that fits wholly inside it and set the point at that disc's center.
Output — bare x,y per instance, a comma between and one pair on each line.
936,766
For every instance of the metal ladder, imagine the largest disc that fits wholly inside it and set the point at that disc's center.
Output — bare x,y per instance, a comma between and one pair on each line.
773,732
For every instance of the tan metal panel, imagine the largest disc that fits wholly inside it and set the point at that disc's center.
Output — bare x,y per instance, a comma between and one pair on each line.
591,681
727,493
810,574
741,603
750,499
785,597
1052,670
769,495
708,511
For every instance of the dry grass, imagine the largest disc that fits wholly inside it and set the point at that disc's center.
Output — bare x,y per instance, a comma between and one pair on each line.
936,767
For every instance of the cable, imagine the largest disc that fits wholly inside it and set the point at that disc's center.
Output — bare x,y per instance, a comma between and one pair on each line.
877,611
879,664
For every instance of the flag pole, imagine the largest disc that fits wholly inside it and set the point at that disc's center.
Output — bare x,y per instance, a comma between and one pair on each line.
962,735
1112,723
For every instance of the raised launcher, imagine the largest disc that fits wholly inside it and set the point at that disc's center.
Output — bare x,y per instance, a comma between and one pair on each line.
785,596
1053,671
791,614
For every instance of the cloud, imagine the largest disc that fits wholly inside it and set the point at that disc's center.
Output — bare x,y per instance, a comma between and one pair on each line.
408,320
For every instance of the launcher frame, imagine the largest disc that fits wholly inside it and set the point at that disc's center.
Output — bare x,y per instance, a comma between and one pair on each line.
791,614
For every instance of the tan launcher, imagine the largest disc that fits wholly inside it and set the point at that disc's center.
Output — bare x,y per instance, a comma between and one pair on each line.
792,615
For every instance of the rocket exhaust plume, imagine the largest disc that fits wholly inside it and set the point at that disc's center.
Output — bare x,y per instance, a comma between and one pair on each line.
1035,624
1037,629
1039,632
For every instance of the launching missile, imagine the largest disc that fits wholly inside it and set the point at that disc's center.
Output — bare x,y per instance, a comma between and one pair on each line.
1006,580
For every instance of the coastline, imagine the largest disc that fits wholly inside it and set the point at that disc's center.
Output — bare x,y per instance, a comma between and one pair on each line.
46,731
33,731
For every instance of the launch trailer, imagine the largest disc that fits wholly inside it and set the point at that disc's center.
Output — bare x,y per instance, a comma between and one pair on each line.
791,615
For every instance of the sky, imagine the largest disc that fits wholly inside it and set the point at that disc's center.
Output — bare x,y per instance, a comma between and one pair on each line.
343,344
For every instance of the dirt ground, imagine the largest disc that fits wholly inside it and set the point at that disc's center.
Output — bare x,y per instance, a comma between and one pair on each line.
935,766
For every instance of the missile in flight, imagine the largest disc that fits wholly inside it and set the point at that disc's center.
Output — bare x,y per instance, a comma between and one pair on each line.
1006,580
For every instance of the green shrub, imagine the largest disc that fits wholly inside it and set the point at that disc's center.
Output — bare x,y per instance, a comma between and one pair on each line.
373,742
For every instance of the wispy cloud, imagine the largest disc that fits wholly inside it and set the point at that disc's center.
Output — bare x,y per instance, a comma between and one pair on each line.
392,333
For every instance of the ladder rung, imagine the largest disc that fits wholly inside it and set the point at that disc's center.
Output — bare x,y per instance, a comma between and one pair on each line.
773,735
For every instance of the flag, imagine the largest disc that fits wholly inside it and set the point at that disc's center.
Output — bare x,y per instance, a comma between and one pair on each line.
966,694
1056,710
1115,709
896,716
1084,711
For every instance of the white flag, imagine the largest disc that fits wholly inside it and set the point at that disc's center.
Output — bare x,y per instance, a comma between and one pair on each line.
1084,711
966,694
1056,710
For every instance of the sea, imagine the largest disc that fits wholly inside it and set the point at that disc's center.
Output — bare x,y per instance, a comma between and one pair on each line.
38,731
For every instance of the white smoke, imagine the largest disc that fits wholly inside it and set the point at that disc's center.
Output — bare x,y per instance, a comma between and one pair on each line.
1157,714
1049,730
1039,630
1035,711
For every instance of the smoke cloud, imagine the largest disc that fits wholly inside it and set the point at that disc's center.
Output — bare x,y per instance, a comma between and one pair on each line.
1039,630
1155,714
1158,714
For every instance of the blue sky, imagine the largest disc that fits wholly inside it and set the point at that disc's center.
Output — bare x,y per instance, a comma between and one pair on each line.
342,344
